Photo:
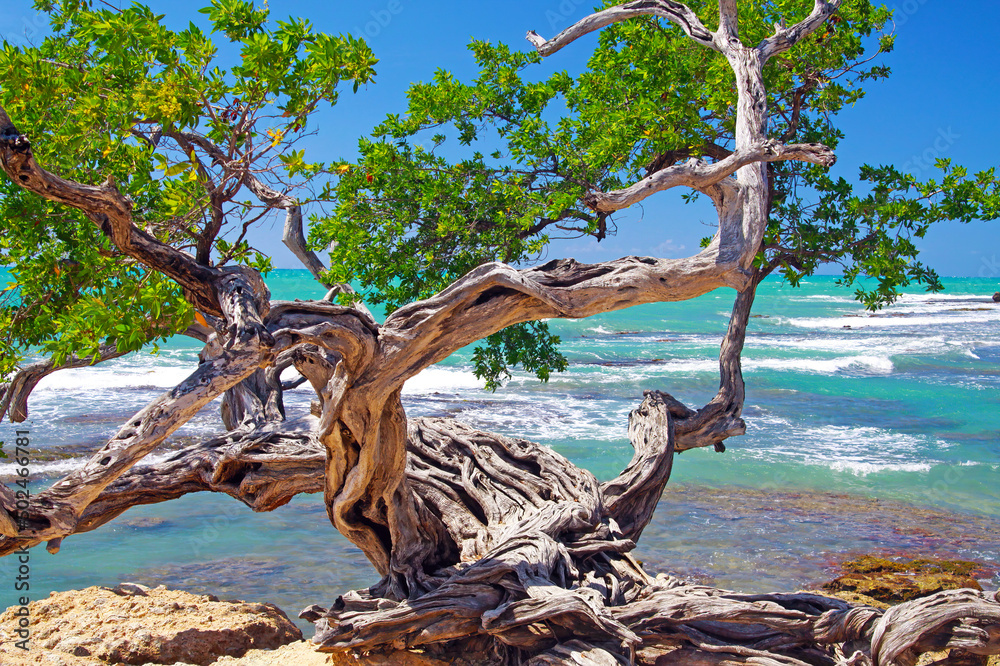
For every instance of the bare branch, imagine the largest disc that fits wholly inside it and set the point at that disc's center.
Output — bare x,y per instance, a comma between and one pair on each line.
294,240
729,30
699,174
57,510
785,38
14,394
676,12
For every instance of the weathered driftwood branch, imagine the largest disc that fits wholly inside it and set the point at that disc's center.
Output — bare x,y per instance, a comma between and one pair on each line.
14,394
549,574
542,561
487,544
111,211
675,12
700,175
785,38
294,239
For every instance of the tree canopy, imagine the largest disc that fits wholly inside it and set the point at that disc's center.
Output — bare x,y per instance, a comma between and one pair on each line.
203,149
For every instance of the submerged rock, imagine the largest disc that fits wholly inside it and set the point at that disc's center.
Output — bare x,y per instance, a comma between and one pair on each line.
132,624
895,581
996,297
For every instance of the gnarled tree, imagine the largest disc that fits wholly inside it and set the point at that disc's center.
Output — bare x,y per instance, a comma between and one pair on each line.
491,549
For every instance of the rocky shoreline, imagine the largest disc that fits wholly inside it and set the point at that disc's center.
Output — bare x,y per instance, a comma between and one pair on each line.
134,624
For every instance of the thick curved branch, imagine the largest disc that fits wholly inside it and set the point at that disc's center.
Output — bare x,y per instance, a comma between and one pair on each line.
294,240
110,210
632,496
494,296
957,619
263,469
785,38
676,12
56,511
14,394
729,30
698,174
720,418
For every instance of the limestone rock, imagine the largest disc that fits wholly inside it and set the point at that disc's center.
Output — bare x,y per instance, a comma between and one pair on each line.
300,653
132,624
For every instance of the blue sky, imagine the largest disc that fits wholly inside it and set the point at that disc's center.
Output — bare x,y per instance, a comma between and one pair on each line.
941,101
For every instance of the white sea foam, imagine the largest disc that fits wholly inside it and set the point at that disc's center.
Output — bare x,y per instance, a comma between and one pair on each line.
440,379
826,298
866,468
869,363
104,377
57,468
860,450
888,321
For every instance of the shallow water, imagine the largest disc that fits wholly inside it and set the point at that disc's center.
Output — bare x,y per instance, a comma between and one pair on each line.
843,409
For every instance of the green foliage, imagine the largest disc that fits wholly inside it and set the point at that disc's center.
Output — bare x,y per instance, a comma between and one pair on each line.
529,345
116,94
497,168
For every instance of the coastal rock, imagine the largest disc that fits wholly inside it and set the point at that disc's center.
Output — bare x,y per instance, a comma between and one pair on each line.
996,297
132,624
891,581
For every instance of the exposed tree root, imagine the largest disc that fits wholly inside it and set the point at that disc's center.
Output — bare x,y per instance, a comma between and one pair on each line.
544,572
536,566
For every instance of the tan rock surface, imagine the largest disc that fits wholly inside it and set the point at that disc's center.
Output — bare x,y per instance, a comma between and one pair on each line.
135,625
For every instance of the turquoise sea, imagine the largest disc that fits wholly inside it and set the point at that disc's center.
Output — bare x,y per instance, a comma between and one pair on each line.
865,433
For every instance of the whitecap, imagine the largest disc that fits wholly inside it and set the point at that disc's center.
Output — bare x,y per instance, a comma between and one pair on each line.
866,468
438,379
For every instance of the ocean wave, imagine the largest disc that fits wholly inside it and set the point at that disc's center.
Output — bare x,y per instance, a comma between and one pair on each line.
856,449
612,373
89,379
437,379
57,468
826,298
888,320
870,363
867,468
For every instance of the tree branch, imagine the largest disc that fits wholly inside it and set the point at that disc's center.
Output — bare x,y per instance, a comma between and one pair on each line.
14,394
56,511
676,12
111,211
729,30
698,174
785,38
294,240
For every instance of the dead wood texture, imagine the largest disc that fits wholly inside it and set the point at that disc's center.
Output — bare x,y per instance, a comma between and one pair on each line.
492,548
